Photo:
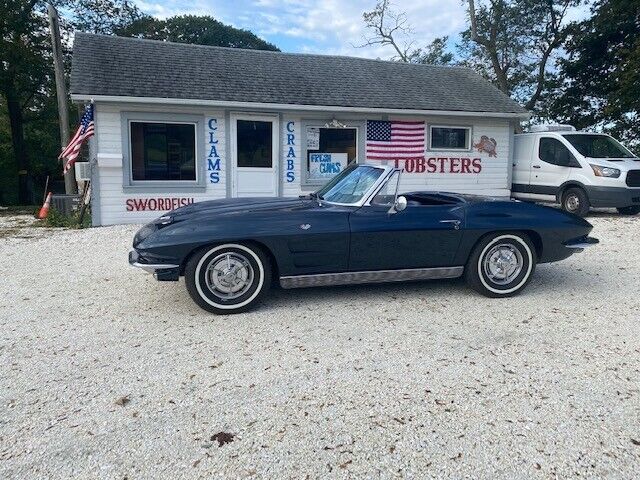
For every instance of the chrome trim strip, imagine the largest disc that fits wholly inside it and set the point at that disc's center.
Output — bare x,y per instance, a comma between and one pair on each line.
374,276
151,268
389,171
582,243
580,246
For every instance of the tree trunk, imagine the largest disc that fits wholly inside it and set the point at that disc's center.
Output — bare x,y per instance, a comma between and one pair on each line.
16,121
501,75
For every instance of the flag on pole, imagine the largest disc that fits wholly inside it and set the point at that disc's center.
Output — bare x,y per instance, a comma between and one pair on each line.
85,130
395,140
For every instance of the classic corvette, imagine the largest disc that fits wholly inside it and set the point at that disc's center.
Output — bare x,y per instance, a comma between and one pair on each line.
356,229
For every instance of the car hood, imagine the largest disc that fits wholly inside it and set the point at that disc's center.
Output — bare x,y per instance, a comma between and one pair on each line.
231,206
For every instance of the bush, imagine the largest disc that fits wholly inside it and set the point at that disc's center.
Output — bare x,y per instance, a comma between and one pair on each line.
56,219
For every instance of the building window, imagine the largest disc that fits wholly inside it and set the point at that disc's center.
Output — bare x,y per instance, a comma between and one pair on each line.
255,144
450,138
329,151
163,151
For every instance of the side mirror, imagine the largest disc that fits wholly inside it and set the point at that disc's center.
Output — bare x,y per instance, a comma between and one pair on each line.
399,205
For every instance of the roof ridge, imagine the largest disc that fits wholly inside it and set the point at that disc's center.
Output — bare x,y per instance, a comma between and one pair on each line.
270,52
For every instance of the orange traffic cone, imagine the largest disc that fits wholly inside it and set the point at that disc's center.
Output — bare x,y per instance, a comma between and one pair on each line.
44,211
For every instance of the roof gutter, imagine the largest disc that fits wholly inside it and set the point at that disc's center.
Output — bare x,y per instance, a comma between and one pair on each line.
291,107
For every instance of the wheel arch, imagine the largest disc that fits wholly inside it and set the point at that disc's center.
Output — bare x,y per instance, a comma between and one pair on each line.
532,235
249,243
567,185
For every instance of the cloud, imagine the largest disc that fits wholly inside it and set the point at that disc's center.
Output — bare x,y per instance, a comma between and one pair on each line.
318,26
335,26
321,26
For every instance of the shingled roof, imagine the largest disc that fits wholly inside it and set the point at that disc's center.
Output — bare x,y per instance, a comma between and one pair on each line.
127,67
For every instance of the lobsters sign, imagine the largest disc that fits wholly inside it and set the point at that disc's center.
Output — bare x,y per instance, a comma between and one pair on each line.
440,165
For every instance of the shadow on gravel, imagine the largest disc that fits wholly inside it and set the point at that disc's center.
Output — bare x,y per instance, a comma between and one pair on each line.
173,298
375,292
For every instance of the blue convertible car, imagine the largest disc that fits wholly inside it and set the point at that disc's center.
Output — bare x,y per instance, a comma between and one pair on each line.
356,229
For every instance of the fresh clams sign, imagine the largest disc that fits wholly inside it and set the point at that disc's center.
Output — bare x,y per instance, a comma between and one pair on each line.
326,165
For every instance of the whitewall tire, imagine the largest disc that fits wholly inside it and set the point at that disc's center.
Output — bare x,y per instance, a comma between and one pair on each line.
501,264
228,278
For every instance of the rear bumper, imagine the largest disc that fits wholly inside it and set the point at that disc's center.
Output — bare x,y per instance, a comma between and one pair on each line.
609,197
161,271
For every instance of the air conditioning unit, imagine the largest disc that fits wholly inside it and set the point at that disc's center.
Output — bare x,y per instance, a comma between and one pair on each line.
66,204
83,171
552,128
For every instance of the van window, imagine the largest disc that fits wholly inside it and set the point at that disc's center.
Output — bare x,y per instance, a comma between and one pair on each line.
554,152
598,146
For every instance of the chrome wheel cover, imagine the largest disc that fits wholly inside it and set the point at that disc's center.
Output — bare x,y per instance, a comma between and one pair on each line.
572,203
503,263
229,275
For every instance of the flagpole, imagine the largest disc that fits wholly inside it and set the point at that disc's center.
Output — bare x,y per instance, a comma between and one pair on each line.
70,184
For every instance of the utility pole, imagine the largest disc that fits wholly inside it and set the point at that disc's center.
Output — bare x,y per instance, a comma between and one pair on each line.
70,185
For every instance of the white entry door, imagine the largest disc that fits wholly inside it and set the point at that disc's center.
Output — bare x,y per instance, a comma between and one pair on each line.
254,155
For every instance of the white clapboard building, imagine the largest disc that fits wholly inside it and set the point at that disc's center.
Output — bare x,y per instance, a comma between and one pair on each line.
177,123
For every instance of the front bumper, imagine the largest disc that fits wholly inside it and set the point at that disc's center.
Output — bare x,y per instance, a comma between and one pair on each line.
162,271
609,197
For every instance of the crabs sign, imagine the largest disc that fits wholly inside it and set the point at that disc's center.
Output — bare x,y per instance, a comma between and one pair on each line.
487,145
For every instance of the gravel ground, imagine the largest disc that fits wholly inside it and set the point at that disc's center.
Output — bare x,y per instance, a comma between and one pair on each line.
106,373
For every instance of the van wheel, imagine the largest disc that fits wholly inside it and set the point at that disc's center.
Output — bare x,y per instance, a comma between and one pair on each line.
228,278
575,201
501,265
632,210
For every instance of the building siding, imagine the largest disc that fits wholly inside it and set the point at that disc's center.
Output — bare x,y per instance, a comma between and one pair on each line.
493,179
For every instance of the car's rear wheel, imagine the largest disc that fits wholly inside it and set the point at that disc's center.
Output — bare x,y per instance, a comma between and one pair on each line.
575,201
227,278
632,210
501,264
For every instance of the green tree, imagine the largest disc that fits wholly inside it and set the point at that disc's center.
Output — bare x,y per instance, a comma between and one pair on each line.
202,30
102,16
28,112
24,74
513,42
29,134
600,76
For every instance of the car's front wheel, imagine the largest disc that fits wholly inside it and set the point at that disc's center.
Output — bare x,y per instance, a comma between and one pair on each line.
227,278
501,264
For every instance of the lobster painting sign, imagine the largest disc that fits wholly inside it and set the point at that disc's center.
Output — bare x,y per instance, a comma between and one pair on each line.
487,145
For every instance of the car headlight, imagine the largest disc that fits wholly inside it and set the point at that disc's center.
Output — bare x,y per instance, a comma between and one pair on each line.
600,171
144,233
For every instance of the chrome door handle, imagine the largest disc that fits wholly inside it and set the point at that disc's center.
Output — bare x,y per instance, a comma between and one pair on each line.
455,223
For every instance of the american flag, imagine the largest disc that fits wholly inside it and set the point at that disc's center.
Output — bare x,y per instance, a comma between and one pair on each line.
85,130
394,140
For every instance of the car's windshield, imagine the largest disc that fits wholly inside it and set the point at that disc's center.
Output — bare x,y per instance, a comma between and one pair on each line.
350,185
598,146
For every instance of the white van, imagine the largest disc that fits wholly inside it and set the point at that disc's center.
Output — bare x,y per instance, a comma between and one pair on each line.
578,170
